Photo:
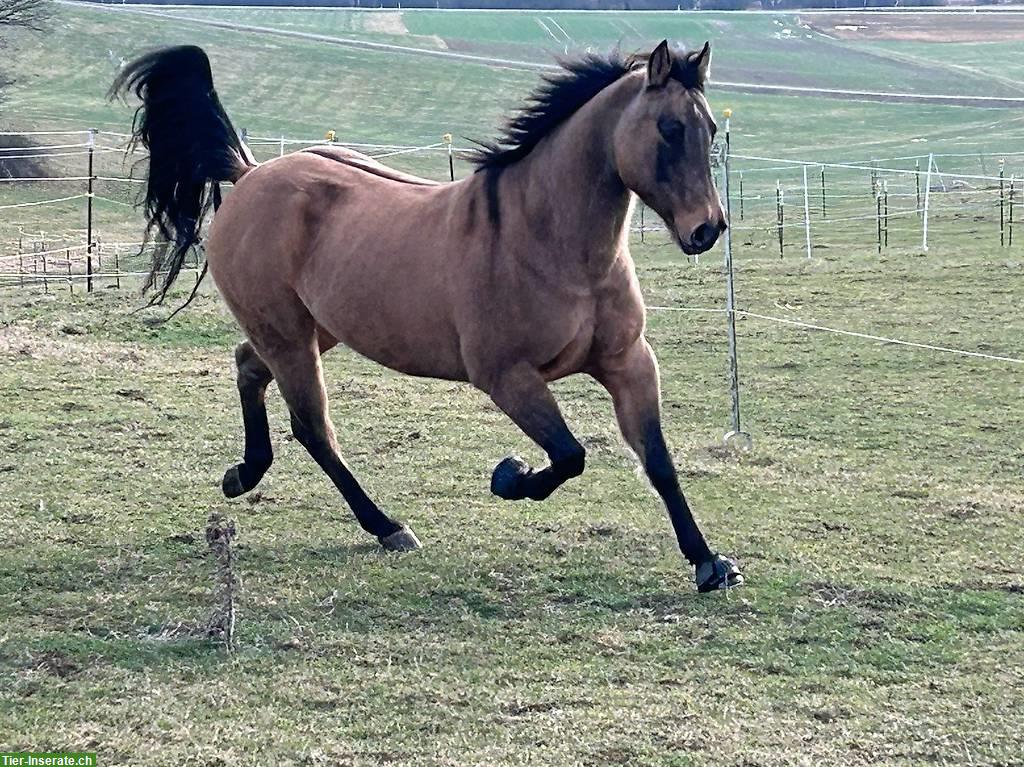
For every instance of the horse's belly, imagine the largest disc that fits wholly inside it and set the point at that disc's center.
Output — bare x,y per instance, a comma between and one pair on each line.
409,333
428,359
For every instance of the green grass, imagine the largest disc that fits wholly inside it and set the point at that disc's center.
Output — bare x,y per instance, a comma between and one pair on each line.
782,47
875,521
285,86
877,518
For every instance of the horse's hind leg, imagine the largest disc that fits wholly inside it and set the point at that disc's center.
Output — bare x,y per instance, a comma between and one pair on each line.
253,378
300,378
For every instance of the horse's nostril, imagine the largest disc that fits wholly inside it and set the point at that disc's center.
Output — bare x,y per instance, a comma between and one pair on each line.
704,236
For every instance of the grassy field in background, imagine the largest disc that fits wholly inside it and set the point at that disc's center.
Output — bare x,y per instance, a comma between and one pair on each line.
877,518
277,86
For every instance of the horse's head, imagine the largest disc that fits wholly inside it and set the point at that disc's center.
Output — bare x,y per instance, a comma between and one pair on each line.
663,147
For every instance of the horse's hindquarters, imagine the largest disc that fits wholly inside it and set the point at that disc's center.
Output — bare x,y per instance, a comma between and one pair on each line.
365,256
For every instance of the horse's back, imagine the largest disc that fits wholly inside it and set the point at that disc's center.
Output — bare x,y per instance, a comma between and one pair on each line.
368,164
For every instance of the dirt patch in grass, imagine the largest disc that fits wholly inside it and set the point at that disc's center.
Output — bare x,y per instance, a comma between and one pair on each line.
55,663
28,342
923,27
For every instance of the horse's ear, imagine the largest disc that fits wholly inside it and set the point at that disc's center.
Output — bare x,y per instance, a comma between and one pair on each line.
659,65
701,63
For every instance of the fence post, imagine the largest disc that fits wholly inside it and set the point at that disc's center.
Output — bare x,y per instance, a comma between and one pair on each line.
1002,205
88,216
20,258
71,282
807,215
741,195
642,206
780,216
117,266
823,191
46,284
736,436
927,199
1013,190
281,152
917,181
878,220
447,138
885,212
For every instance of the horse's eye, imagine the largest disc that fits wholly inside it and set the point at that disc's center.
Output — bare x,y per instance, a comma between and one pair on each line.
672,130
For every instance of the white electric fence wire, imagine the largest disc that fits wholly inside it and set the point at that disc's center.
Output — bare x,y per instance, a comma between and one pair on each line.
797,164
8,179
34,148
45,133
47,155
851,333
43,202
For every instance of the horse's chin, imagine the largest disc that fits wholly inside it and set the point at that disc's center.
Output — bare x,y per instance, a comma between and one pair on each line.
686,248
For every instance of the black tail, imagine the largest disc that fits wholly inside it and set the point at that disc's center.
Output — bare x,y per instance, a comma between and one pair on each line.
192,147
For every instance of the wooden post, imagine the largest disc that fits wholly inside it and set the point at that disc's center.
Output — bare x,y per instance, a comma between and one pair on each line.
1013,190
642,206
741,195
46,284
1002,205
88,216
823,191
71,282
780,216
117,267
885,212
21,261
878,220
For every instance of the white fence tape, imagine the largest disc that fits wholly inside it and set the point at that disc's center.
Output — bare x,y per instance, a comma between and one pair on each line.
852,333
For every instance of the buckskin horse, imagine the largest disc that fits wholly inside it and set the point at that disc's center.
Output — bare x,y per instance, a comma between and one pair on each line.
511,278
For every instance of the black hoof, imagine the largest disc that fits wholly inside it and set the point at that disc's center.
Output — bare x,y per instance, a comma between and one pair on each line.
403,539
507,479
718,573
232,484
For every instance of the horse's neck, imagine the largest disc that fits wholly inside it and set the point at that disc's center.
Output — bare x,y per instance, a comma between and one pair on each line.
573,182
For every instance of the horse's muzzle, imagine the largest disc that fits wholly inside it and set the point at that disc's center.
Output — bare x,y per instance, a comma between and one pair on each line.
703,238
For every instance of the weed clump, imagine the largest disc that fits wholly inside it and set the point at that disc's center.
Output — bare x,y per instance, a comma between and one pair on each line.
220,532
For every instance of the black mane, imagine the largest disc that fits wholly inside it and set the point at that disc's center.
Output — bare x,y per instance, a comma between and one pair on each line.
560,95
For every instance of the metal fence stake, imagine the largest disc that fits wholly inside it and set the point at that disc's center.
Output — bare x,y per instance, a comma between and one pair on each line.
807,215
736,437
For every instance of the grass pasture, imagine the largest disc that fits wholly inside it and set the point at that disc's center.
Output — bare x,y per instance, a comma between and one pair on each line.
877,519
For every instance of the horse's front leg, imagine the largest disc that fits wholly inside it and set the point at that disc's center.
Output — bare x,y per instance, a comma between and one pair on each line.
521,392
632,380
